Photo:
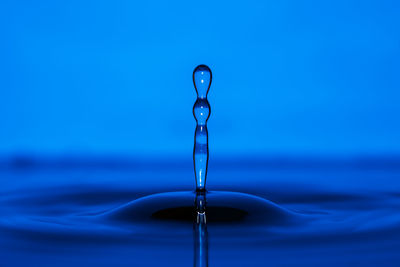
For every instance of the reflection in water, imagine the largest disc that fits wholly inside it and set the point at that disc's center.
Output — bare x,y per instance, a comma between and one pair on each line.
200,231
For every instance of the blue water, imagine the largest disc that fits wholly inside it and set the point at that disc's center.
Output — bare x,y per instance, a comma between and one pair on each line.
98,212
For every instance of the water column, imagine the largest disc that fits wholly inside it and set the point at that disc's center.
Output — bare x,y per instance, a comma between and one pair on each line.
202,78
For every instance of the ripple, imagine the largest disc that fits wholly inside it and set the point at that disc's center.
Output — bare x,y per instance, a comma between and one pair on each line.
229,208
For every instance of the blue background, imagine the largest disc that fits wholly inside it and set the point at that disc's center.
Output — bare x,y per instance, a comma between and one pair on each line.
114,77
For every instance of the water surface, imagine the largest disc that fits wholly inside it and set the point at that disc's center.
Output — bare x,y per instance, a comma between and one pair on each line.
287,212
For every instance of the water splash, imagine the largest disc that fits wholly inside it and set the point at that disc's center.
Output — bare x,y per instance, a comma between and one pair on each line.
128,223
202,78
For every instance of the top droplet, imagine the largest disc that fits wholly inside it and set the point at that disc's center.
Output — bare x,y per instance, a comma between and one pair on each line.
202,78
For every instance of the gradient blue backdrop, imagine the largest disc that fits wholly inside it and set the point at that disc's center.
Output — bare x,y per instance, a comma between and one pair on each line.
114,77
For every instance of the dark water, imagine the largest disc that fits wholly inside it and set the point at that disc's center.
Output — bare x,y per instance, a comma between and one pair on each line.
260,212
